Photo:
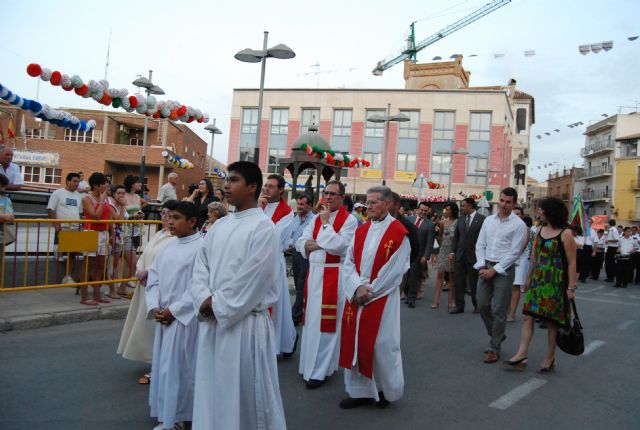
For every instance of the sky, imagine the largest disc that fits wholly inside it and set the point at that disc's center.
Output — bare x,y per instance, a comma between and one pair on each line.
190,48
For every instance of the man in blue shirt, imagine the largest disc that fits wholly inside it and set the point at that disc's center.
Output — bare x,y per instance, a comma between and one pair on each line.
300,265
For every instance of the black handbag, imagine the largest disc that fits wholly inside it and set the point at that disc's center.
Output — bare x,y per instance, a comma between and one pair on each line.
570,339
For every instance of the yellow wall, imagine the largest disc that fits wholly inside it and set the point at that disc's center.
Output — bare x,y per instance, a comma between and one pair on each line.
626,174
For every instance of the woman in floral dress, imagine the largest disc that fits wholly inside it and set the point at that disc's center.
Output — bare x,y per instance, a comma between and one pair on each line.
446,229
550,284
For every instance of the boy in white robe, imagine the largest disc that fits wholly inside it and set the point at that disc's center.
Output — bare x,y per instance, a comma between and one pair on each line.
169,303
234,282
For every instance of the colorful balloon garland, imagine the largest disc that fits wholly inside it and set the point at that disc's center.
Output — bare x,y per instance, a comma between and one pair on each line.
430,199
177,161
45,112
221,173
335,158
473,196
118,97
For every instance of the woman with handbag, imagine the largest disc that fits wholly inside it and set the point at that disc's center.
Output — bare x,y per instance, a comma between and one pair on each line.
551,283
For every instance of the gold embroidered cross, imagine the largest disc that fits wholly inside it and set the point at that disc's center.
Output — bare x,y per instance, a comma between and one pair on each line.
389,248
349,314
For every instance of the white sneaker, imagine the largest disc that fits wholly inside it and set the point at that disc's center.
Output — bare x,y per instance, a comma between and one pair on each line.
68,280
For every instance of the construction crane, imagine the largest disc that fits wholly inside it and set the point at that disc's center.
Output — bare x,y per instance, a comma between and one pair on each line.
412,49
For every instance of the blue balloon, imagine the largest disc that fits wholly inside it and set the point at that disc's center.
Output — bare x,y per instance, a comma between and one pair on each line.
36,107
26,104
9,94
15,101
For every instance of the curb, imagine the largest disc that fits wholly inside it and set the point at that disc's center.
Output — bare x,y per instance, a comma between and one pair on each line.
27,322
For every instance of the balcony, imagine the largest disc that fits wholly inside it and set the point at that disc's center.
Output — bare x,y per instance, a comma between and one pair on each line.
595,195
565,197
635,184
595,172
596,148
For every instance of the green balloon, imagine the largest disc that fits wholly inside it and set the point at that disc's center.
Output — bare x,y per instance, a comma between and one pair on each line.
116,103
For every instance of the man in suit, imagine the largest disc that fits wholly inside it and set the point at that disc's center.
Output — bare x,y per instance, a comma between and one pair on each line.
426,235
463,253
413,275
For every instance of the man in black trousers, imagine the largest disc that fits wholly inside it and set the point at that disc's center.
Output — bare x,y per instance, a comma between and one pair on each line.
413,275
463,253
426,236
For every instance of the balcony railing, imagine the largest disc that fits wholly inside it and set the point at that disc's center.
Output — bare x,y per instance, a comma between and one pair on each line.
635,184
597,171
597,147
595,195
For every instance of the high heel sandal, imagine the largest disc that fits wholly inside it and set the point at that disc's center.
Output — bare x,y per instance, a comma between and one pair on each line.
520,364
549,369
435,306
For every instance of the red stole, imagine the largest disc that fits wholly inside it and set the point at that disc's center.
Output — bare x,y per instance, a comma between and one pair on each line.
371,314
329,307
282,210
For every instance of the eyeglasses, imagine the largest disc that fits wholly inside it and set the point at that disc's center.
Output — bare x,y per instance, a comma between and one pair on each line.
329,194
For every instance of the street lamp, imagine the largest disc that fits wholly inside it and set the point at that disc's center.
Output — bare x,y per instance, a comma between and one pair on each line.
451,154
150,88
211,128
387,119
247,55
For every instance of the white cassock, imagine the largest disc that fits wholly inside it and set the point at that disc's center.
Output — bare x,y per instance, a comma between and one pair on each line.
136,341
318,350
387,360
281,311
237,375
174,345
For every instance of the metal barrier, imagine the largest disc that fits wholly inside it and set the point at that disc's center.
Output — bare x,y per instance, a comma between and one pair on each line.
33,260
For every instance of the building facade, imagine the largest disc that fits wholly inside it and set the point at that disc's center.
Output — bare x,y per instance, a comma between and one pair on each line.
46,153
611,168
565,184
468,137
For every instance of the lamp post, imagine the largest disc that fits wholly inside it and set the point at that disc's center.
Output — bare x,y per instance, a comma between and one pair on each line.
451,154
387,119
150,88
211,128
247,55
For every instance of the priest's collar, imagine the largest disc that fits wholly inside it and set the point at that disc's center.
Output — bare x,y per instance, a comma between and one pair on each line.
246,212
381,220
191,238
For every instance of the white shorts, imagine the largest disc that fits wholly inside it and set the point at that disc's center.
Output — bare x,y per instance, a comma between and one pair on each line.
522,270
103,244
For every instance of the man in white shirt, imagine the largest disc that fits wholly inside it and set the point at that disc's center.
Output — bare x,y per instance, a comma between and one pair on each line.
65,203
587,252
636,255
627,247
83,186
9,169
612,242
168,190
501,241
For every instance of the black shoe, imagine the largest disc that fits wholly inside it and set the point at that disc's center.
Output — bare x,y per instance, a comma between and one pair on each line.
295,346
544,370
411,303
350,402
457,310
312,384
382,403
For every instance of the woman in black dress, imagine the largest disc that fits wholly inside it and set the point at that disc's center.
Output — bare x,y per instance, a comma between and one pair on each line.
201,197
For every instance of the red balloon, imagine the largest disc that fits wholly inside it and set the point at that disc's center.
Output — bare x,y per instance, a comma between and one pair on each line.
201,119
173,115
105,100
191,118
34,70
69,88
133,101
82,90
182,110
156,115
56,78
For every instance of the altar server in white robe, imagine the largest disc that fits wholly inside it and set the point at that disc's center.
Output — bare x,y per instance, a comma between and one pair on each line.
324,242
282,216
372,271
169,303
234,281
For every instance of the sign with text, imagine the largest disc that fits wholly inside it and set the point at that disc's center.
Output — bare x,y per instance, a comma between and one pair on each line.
371,173
405,176
36,158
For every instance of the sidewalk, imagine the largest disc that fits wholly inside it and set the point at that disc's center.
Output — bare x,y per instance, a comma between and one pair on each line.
56,306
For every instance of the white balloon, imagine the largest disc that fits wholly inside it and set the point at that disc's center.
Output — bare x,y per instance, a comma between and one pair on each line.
46,74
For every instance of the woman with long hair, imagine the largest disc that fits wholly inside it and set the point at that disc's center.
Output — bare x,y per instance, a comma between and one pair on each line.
201,197
551,283
134,205
122,243
446,229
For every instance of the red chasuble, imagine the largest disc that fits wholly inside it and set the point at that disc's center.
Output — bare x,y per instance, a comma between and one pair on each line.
282,210
371,314
330,276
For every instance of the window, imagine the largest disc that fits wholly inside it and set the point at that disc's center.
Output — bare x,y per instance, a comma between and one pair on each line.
78,136
443,133
410,128
374,158
629,148
42,175
342,122
274,158
249,121
521,120
479,144
310,118
34,133
406,163
374,129
279,121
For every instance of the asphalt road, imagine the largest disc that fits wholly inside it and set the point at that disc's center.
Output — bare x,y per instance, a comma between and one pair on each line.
69,377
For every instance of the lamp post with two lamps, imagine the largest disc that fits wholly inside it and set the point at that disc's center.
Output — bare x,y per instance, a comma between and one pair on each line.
386,120
211,128
451,154
247,55
150,88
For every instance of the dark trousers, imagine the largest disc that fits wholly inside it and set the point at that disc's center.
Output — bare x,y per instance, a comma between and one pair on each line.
610,262
465,276
579,262
411,280
596,265
624,271
636,266
586,262
300,266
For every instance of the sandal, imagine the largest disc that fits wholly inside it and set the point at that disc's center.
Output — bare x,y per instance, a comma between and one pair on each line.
145,379
102,300
435,306
114,296
89,302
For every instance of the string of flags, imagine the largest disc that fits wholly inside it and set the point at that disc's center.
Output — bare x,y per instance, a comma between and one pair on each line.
46,112
576,124
177,161
106,95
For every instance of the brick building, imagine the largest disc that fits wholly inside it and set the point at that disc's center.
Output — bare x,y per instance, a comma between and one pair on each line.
47,153
565,184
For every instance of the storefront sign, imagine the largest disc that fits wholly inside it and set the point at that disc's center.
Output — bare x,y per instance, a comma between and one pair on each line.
371,173
33,158
405,176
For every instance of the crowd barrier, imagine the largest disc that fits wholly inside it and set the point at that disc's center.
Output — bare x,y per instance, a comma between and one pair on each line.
48,253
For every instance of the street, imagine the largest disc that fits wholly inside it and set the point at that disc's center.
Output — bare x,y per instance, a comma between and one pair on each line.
69,377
